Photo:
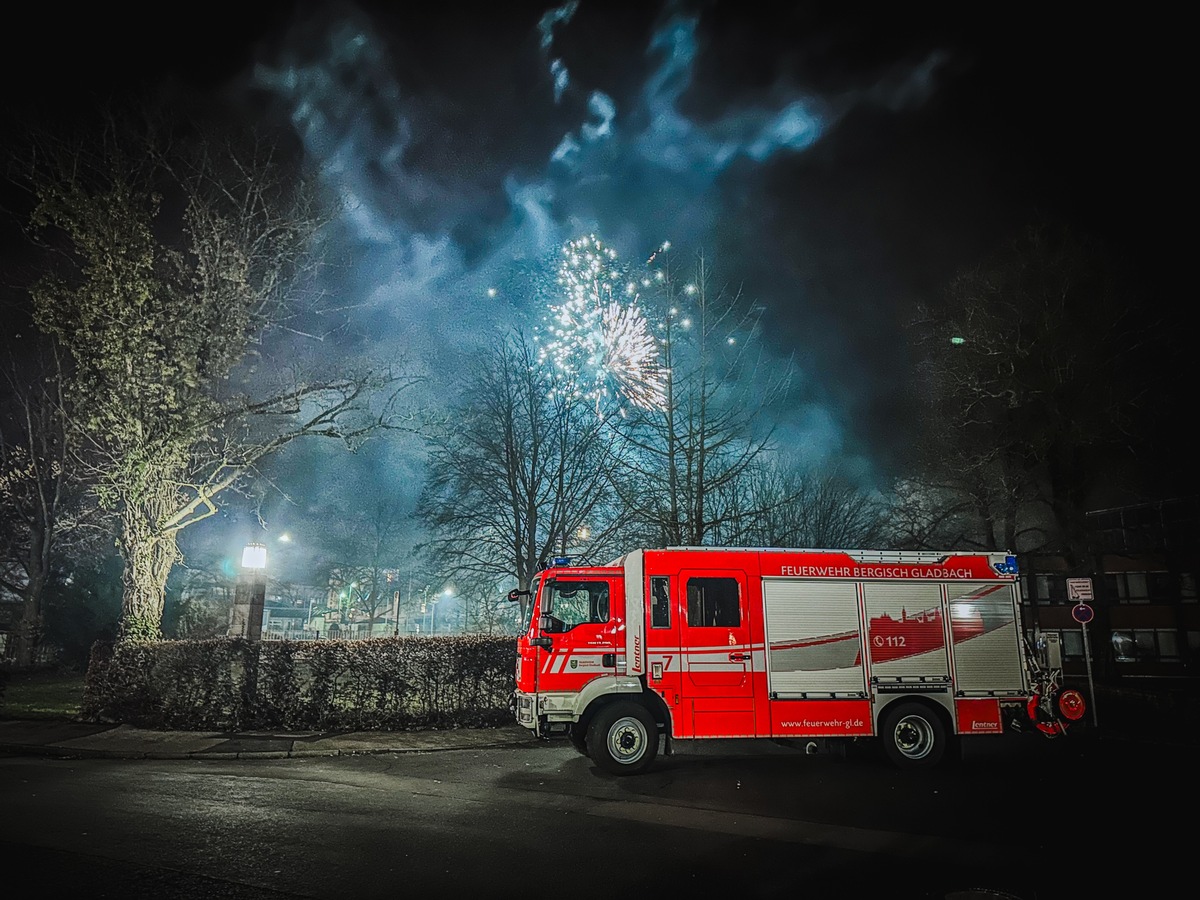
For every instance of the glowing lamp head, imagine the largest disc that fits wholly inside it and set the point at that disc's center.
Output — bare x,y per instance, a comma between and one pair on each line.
254,556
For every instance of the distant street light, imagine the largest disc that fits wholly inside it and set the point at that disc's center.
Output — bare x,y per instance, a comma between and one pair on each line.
432,605
446,594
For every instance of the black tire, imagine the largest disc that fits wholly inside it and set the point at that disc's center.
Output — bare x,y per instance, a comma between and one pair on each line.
914,736
578,737
623,738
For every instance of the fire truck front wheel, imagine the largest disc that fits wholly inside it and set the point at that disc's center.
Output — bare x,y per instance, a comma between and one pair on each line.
914,736
623,738
578,736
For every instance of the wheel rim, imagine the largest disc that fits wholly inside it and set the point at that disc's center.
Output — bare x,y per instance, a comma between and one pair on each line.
913,737
627,740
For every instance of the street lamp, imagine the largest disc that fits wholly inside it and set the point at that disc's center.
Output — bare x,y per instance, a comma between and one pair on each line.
432,605
347,606
249,595
254,557
446,595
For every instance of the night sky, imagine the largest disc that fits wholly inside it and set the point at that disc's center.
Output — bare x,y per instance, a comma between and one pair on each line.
835,161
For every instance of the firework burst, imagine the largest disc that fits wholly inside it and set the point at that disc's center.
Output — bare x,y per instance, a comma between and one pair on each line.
598,344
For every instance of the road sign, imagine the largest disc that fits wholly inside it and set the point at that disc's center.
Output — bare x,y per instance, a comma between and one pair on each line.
1079,589
1082,613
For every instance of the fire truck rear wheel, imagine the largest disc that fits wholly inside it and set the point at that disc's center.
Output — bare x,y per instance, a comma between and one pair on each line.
914,736
623,738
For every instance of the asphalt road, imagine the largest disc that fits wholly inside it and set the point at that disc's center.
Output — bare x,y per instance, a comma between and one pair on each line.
1025,818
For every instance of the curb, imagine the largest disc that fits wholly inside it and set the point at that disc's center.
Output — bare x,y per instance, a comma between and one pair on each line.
57,751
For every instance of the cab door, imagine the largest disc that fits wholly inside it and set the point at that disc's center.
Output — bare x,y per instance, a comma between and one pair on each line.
579,627
717,652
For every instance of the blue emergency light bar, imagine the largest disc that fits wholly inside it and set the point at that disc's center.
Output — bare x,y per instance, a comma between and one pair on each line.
1008,567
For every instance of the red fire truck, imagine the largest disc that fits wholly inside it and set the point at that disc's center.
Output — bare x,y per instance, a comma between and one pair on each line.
912,649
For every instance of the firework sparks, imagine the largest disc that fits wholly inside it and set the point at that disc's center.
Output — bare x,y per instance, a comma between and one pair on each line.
599,347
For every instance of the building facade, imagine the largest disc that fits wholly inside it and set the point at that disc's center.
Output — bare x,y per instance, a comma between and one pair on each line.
1146,612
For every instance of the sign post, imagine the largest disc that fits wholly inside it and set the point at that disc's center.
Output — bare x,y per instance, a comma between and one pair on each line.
1080,590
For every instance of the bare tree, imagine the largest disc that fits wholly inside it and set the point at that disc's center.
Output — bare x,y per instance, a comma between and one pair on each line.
369,543
1031,391
42,509
516,473
686,458
168,262
797,508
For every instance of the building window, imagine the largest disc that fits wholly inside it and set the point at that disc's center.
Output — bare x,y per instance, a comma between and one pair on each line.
1049,589
1168,645
1071,641
1145,645
1187,587
1161,586
1128,587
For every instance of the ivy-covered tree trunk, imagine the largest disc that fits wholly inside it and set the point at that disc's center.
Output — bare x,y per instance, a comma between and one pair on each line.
148,554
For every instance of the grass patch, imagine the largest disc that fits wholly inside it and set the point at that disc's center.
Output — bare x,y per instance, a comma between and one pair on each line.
42,694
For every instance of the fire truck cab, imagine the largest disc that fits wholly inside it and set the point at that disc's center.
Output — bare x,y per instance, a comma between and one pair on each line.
912,649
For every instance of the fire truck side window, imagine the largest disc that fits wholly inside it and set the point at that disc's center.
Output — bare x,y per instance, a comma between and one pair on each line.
578,602
713,602
660,602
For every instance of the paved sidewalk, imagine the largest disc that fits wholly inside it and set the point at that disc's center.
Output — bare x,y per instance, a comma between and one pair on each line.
76,740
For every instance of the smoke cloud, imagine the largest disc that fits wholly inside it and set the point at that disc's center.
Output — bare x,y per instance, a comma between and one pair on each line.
437,233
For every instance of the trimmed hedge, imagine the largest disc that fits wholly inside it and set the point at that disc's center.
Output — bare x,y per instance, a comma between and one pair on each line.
383,684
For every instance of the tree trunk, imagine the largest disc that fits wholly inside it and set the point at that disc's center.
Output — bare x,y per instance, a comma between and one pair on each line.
149,557
29,629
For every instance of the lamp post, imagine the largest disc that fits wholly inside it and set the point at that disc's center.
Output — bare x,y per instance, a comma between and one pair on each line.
396,614
446,594
249,595
347,607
